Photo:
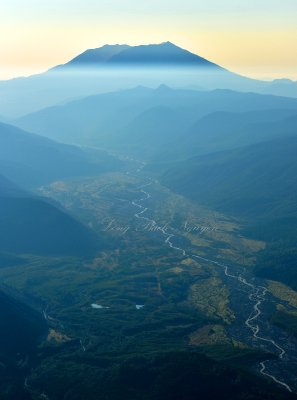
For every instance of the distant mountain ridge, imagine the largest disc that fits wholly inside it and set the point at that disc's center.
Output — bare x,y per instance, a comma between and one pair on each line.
254,180
31,160
131,118
101,54
117,67
165,53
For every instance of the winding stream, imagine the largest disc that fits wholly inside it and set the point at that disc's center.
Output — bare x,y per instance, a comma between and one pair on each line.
257,293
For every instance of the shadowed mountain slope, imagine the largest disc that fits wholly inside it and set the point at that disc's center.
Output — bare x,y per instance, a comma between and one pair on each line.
29,224
106,118
32,160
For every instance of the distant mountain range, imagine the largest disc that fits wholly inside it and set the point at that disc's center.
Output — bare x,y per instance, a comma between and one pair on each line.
220,131
142,121
233,150
114,67
230,155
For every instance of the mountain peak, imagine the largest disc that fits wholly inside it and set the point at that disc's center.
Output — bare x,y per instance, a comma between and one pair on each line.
161,54
97,55
168,43
163,89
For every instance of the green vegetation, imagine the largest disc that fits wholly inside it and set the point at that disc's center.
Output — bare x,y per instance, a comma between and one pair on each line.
257,184
32,225
285,319
283,292
242,182
172,375
103,299
21,328
278,261
211,297
175,346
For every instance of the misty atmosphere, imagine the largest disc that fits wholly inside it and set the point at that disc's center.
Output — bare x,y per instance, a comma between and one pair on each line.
148,226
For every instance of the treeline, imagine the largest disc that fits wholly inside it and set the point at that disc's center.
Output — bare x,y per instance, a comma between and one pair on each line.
278,262
165,376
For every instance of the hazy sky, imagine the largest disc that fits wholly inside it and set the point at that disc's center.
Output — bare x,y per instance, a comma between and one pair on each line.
253,37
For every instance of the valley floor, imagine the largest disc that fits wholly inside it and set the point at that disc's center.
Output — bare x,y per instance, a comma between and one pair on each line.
174,276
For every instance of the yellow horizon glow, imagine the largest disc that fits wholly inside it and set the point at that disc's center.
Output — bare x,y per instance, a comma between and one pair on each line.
258,45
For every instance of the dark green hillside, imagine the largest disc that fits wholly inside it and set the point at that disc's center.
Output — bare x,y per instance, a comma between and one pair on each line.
258,180
31,225
21,330
32,160
257,183
20,327
278,260
163,376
